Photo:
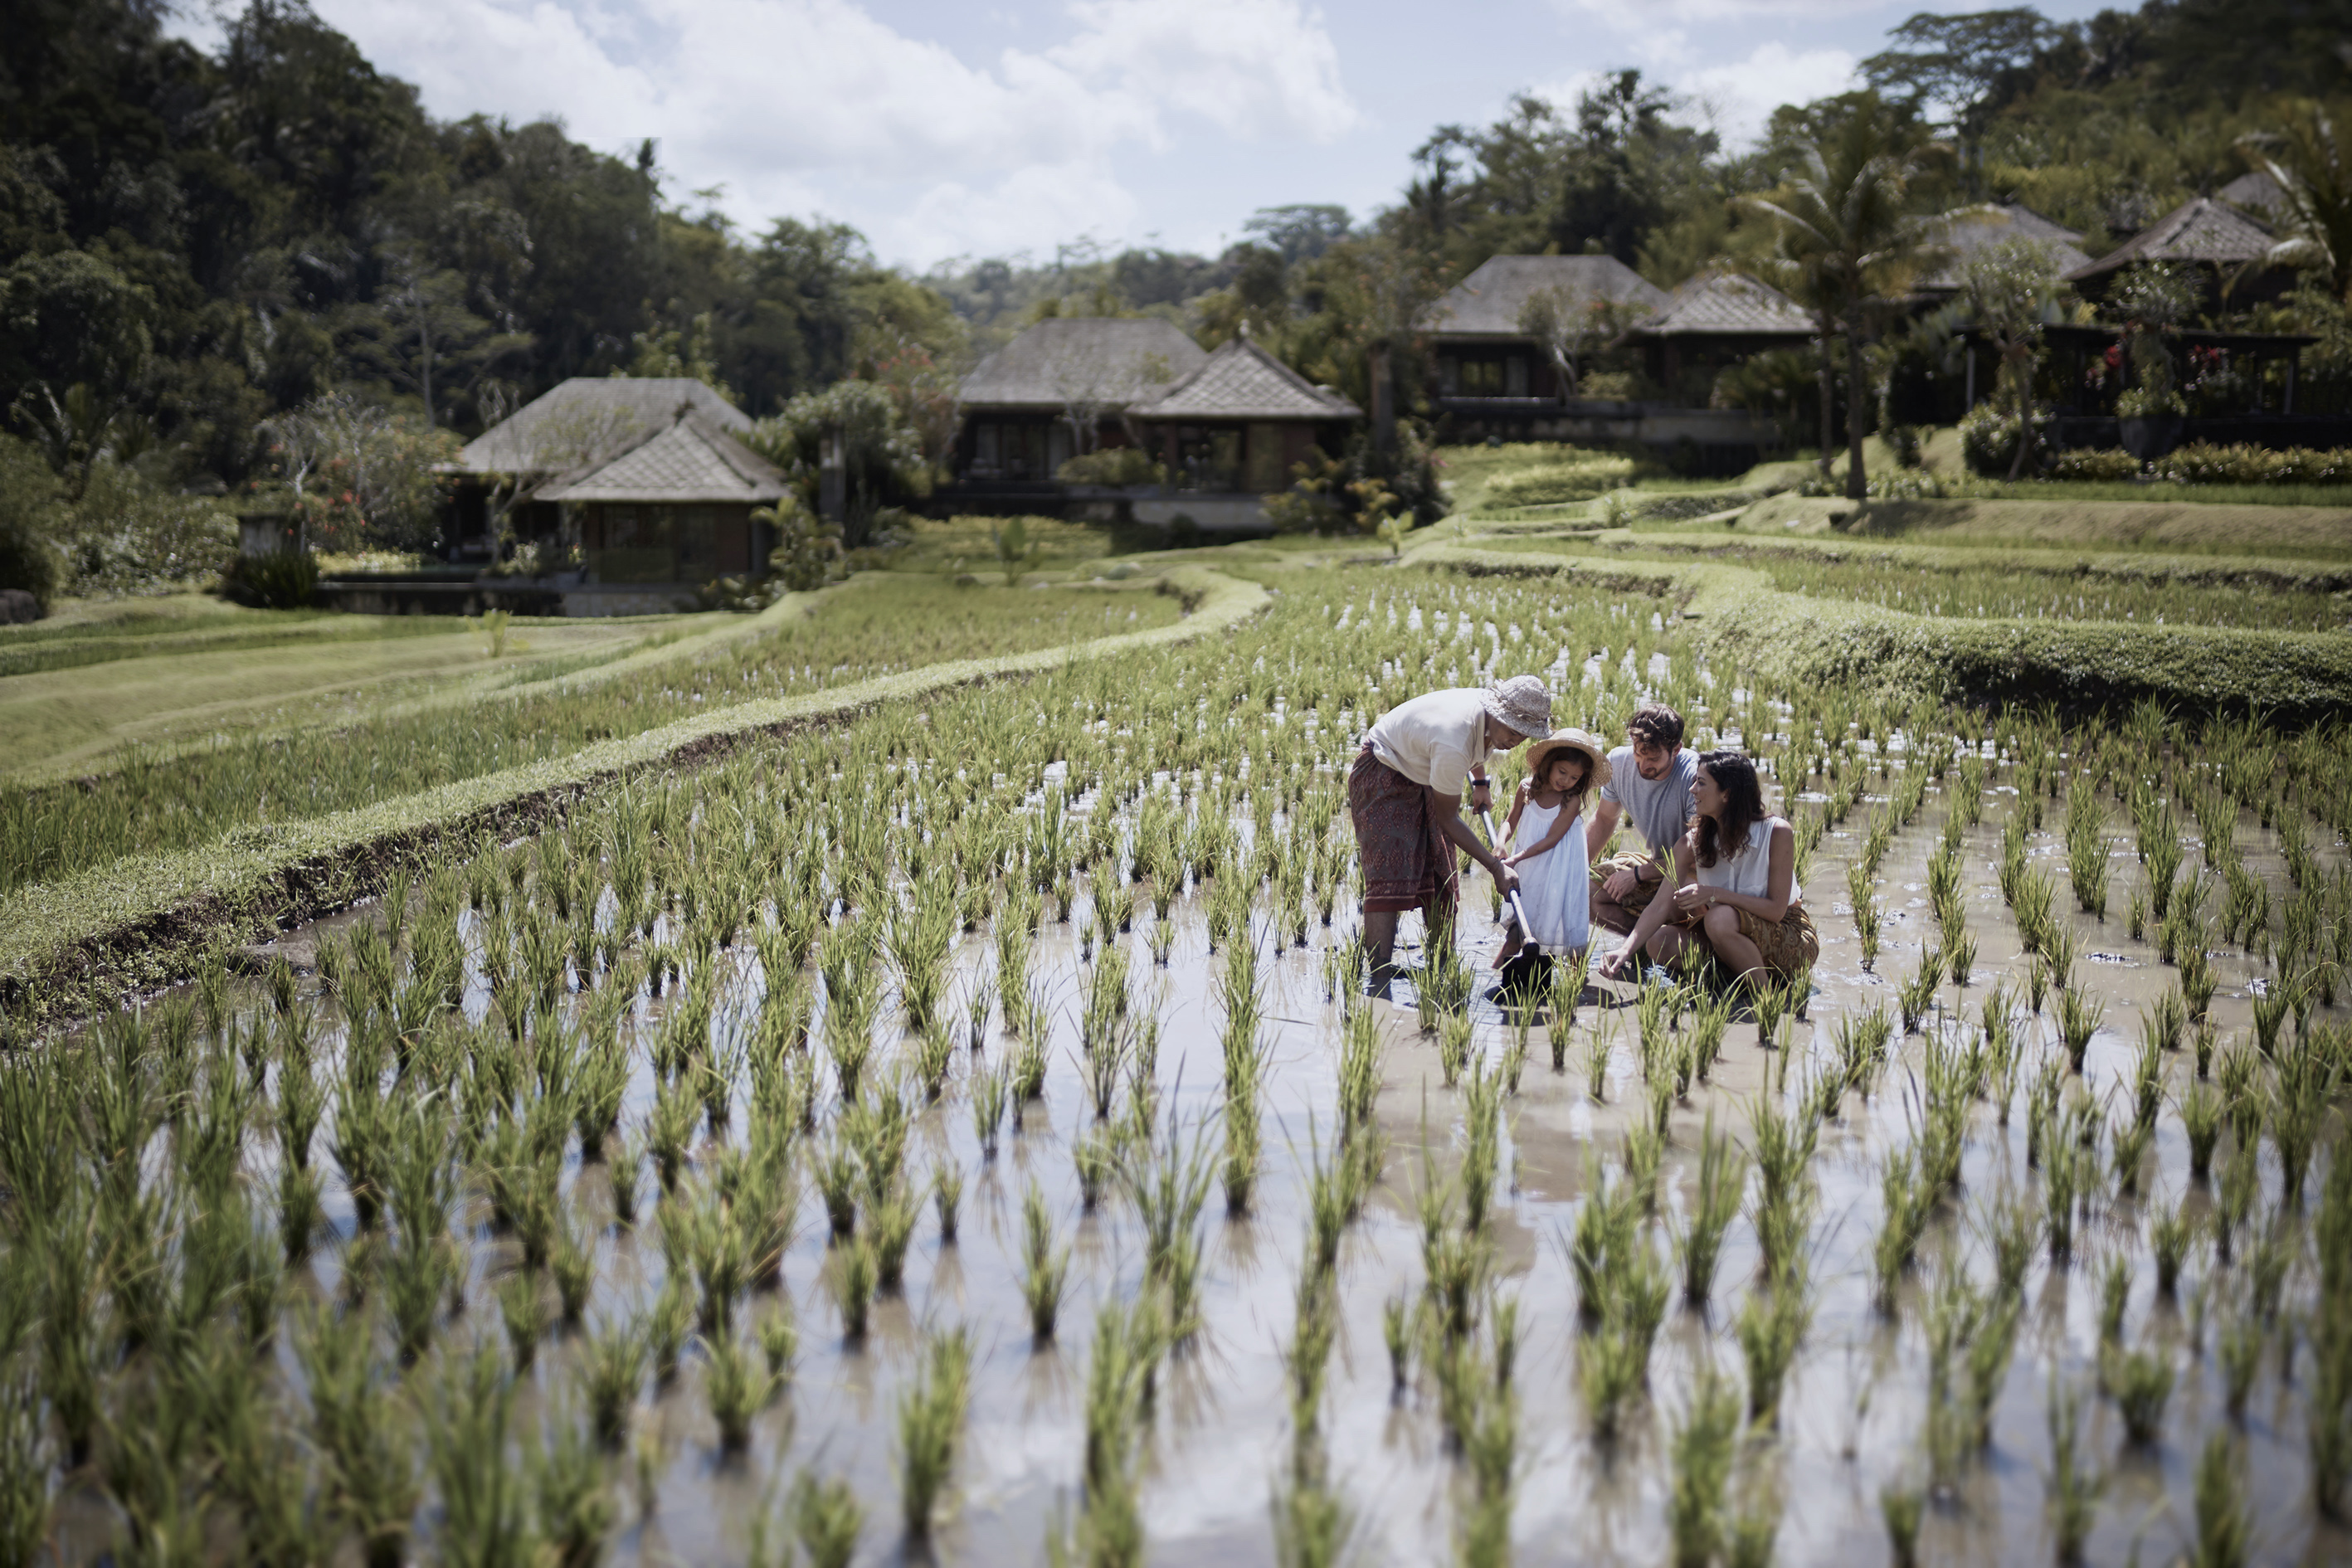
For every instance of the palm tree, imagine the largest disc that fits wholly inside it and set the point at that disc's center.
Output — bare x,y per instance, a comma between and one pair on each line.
2311,164
1850,239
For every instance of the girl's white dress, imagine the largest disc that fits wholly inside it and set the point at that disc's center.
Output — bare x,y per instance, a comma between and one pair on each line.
1554,887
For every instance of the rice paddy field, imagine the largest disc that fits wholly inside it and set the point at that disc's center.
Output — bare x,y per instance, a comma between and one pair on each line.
956,1131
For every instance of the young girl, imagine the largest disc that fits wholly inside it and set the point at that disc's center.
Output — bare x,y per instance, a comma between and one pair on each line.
1548,844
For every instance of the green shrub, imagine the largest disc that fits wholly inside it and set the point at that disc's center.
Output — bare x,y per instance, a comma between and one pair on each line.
276,580
806,545
1988,441
131,534
1119,466
31,514
2202,463
2109,465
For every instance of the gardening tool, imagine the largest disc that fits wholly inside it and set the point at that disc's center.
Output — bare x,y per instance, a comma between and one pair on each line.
1528,973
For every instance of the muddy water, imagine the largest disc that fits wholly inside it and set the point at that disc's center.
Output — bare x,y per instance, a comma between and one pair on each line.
1855,1403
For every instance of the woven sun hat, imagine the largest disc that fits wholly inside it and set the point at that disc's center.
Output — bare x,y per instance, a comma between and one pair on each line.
1522,702
1540,755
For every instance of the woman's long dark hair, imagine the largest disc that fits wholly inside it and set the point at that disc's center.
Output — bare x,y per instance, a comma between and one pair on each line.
1743,806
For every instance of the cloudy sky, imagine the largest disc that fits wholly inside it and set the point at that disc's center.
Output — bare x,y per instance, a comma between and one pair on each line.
1003,127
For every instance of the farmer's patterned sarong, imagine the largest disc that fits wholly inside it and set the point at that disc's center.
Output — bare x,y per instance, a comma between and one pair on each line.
1408,862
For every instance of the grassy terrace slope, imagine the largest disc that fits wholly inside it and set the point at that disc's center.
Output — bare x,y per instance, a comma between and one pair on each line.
2186,526
165,690
149,801
1746,623
144,919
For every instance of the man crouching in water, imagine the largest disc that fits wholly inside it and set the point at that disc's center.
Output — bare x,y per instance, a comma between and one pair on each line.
1650,778
1405,792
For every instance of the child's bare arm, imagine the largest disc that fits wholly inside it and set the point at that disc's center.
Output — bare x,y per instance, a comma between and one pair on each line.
1560,825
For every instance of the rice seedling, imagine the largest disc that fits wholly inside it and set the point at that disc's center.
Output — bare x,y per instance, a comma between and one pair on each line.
1918,992
1400,1325
931,1426
2141,1380
825,1518
522,1307
2225,1528
1045,1268
889,1228
2078,1020
853,1279
1452,1046
1596,1064
1771,1328
1701,1450
2070,1487
736,1387
1722,1184
612,1366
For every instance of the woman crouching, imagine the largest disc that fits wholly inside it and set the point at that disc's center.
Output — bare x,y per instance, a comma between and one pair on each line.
1735,893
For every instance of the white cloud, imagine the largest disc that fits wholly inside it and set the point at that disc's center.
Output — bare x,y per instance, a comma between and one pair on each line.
1654,12
1741,96
798,104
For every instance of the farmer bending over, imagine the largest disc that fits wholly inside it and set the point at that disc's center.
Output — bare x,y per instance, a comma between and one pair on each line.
1405,792
1649,777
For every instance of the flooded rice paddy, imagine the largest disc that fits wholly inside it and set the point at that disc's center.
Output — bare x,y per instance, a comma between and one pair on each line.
569,1216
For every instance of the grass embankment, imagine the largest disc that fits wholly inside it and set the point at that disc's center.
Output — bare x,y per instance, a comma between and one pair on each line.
147,918
97,632
2182,527
869,627
176,687
1747,625
2222,591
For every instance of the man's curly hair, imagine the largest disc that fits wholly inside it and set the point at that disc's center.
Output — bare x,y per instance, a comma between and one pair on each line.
1657,724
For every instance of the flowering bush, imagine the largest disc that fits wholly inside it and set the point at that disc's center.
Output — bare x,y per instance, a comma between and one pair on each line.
2109,464
2202,463
1988,441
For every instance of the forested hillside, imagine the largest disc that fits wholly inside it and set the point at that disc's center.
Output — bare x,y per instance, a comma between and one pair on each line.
193,243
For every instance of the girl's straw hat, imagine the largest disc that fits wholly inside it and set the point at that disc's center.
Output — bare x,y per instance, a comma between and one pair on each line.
1540,755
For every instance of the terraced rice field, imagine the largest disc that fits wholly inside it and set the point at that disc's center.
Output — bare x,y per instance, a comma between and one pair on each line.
959,1132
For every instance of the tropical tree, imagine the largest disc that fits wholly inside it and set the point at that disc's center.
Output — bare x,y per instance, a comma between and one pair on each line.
1851,238
1569,325
2012,289
2310,161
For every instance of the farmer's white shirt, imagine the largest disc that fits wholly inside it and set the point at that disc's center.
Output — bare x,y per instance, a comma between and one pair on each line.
1434,739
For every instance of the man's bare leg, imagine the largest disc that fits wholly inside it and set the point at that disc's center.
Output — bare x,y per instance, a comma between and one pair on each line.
1379,949
1611,916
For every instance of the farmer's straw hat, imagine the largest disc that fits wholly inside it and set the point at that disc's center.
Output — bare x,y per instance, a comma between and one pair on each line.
1522,702
1540,755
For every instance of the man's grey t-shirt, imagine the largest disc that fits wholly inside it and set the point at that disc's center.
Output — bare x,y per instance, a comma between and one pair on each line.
1661,809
